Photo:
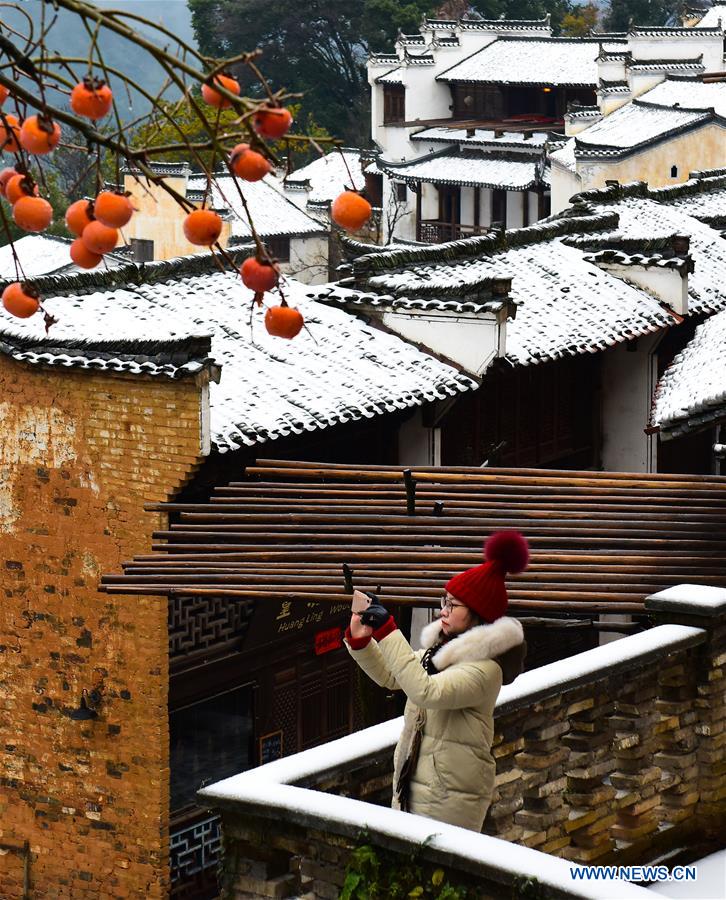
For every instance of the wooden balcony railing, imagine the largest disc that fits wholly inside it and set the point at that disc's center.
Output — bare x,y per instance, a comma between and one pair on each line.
432,232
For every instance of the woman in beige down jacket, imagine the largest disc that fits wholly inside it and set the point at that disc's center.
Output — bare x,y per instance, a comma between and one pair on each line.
443,767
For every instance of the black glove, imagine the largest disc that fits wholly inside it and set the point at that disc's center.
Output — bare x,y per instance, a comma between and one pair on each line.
376,615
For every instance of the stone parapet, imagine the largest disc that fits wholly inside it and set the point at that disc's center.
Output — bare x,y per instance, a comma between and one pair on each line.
611,756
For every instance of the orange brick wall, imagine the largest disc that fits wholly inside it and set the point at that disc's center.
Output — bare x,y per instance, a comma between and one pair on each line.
80,453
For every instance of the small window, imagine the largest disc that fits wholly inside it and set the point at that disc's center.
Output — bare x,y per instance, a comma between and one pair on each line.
499,208
401,192
279,247
142,249
674,171
394,104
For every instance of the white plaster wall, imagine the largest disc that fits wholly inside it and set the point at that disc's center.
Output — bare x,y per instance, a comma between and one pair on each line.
429,201
466,215
608,103
485,206
299,198
418,445
628,382
668,285
308,259
640,82
681,46
575,126
533,203
701,148
563,184
611,70
514,209
398,216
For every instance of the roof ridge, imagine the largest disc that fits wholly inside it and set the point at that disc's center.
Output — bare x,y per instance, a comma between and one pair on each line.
700,184
133,273
573,220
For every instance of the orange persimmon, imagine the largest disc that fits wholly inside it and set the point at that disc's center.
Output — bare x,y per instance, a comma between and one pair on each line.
91,98
249,164
78,215
202,227
350,210
273,121
113,209
82,256
99,238
259,275
9,133
214,98
32,213
20,300
39,134
283,321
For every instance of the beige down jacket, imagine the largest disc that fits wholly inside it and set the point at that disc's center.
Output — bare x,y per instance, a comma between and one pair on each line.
453,779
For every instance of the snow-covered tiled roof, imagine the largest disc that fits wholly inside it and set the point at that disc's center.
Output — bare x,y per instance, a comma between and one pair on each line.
551,61
689,93
635,125
714,18
329,175
566,305
272,213
708,207
338,370
496,25
565,156
691,393
469,168
39,254
395,76
645,220
482,137
44,254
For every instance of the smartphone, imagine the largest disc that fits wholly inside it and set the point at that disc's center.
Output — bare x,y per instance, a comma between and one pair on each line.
360,602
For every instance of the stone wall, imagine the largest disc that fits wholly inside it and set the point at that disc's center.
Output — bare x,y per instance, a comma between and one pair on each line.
80,453
612,756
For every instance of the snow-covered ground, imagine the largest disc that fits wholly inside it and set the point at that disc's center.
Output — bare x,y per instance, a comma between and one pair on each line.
710,883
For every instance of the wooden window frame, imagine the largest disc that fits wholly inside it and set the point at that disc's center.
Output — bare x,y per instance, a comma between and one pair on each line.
394,104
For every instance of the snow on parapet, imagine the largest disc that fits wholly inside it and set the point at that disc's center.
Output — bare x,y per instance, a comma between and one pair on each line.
271,789
690,598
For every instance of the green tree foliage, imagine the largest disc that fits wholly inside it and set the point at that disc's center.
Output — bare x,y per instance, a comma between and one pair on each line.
581,21
524,9
320,49
621,13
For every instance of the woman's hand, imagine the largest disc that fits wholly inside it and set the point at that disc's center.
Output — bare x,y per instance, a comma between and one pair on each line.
358,629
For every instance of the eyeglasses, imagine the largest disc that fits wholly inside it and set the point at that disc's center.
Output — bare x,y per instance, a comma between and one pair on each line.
447,605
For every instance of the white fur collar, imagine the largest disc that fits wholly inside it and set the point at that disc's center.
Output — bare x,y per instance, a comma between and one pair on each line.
480,642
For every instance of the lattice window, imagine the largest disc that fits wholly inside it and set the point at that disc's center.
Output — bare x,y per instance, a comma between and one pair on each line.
201,623
195,851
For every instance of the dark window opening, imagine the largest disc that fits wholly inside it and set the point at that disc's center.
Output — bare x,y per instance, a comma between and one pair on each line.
495,101
449,205
674,171
499,208
394,104
544,205
210,740
142,249
374,188
401,192
279,247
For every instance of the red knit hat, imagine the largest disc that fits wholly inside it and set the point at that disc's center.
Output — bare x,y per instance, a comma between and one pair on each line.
482,588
